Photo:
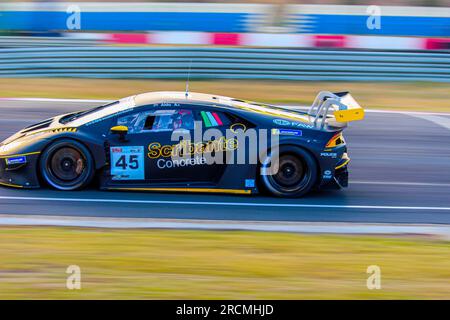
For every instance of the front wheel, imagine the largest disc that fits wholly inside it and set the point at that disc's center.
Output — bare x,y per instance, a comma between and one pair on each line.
67,165
296,174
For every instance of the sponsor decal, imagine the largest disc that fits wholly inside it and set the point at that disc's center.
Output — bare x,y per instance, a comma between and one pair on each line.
282,122
329,154
116,150
287,132
249,183
16,160
327,174
287,123
186,147
177,163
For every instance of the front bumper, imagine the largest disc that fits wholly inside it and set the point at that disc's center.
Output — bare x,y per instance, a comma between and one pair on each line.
21,174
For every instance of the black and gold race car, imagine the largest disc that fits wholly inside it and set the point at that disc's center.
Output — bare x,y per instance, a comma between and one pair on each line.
177,141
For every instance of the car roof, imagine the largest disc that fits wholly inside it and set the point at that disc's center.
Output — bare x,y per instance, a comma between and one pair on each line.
149,98
217,100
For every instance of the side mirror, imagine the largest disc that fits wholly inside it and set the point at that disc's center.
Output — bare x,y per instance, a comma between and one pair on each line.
120,130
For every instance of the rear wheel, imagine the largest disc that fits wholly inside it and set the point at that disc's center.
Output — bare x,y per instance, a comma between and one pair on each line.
296,174
67,165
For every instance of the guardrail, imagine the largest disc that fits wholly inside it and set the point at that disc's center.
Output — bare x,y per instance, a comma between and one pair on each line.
224,63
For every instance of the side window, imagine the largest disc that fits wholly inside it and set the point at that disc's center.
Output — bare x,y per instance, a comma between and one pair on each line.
216,119
158,120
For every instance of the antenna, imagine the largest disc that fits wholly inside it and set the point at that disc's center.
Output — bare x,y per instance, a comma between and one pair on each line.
187,82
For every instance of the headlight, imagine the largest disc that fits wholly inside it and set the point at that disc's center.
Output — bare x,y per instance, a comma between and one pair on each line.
6,148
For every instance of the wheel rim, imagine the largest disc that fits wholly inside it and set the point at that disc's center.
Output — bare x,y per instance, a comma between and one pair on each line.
67,164
292,176
290,173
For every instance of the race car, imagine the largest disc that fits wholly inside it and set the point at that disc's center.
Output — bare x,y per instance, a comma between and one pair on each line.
129,145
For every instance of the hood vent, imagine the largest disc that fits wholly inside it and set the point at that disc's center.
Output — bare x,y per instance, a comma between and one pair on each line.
38,126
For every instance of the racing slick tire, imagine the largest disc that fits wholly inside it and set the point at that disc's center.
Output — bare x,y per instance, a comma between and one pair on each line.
296,175
67,165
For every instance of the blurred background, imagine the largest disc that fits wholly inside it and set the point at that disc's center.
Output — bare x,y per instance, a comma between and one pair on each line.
351,40
390,54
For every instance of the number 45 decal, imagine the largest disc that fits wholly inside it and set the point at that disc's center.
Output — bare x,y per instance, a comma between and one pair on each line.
127,163
133,162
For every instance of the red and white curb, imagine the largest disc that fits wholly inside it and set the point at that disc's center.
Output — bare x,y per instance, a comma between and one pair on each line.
268,39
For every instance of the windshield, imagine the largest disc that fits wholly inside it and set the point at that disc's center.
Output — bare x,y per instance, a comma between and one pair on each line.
77,115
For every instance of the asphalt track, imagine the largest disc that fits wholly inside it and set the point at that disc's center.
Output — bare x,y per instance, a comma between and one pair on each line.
400,173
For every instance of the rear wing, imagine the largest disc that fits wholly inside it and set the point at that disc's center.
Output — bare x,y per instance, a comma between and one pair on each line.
335,109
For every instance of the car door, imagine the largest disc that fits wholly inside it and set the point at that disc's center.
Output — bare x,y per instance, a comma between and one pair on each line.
191,164
239,151
214,125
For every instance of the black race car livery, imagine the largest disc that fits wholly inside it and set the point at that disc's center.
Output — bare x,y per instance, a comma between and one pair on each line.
177,141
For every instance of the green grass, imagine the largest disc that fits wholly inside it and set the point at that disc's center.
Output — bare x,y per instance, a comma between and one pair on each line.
163,264
376,95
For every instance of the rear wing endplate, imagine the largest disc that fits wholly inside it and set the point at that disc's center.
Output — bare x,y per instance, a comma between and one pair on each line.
335,109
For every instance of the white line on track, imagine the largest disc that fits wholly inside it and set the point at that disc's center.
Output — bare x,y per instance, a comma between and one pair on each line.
284,106
17,120
393,183
221,203
439,120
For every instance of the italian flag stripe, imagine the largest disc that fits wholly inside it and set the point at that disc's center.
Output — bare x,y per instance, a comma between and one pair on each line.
216,116
205,119
211,119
